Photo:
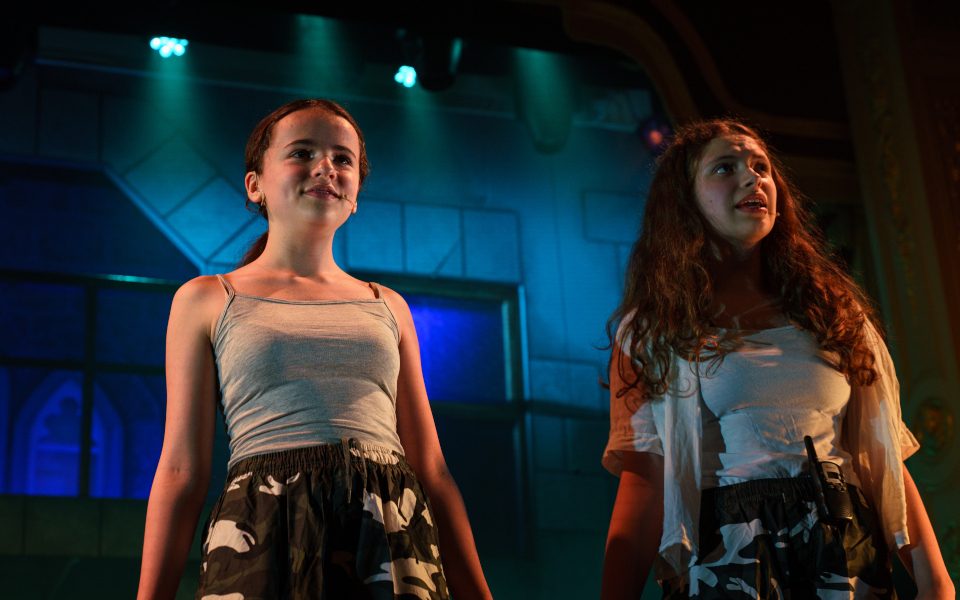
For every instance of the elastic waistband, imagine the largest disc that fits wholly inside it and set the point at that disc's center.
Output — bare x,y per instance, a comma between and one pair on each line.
787,489
318,456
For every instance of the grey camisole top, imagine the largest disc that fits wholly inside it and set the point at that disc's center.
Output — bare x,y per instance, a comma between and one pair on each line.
296,373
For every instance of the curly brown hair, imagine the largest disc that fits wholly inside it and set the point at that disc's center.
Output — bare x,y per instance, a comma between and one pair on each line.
665,310
259,141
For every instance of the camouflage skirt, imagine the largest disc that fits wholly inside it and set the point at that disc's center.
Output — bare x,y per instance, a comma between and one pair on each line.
764,539
332,521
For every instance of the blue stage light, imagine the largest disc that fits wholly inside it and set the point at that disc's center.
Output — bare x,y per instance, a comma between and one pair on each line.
168,46
406,76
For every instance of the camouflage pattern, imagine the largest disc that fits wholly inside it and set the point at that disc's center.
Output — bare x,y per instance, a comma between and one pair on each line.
333,521
763,539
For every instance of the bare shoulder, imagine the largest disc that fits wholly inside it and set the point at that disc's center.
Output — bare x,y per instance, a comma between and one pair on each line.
200,290
398,306
198,302
394,300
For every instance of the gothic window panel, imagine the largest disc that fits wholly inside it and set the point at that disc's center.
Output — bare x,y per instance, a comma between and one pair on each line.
42,320
136,406
131,326
45,416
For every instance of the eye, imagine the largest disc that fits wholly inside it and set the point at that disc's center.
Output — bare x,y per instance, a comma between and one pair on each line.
762,168
723,168
343,159
300,153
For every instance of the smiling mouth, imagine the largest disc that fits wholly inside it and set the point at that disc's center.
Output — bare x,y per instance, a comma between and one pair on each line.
328,192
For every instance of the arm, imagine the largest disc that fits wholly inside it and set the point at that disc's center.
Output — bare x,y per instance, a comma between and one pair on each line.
635,527
637,521
921,556
183,472
418,434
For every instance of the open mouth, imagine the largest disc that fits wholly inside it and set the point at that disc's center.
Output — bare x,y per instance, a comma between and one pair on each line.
752,203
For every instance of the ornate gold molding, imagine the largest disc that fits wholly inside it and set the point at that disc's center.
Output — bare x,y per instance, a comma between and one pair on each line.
876,80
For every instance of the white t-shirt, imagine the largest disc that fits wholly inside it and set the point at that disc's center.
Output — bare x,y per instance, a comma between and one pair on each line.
875,439
757,404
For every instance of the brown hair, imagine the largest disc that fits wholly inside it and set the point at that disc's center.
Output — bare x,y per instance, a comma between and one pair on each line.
259,141
668,290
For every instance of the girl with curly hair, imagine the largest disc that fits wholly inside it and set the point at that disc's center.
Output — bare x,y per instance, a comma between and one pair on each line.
737,338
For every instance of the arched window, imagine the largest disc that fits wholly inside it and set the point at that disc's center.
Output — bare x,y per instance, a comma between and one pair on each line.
47,441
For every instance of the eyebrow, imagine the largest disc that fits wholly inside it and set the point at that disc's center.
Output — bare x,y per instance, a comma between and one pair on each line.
724,157
309,142
754,155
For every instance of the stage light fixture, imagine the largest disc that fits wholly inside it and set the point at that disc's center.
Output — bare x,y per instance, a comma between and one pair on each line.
439,61
406,76
169,46
435,56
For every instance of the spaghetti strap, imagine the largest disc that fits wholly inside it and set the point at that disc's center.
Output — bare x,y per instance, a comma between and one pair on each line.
376,289
226,286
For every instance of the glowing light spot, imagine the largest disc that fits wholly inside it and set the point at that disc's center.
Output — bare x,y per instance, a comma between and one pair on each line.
406,76
168,46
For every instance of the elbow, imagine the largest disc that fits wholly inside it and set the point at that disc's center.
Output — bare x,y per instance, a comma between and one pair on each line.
188,486
435,478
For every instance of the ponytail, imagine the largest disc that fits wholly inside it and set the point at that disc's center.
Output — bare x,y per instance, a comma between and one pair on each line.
255,250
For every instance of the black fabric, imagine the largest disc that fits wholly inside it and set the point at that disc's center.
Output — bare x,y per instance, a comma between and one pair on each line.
763,539
325,522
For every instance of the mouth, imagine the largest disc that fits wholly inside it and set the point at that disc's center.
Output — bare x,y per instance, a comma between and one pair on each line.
752,203
322,191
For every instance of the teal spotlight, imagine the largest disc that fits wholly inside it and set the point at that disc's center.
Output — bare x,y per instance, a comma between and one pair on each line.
406,76
168,46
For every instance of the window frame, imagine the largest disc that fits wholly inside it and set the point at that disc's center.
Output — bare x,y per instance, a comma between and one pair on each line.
88,366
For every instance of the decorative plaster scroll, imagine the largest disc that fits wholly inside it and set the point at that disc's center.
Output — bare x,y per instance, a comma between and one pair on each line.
875,68
802,127
611,26
947,111
950,546
932,417
933,424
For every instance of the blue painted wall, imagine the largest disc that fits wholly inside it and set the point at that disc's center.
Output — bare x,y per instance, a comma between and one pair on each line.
453,193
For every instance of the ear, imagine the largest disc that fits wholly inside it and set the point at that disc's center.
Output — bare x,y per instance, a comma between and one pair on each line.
251,182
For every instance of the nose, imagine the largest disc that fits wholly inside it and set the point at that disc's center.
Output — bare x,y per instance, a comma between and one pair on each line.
752,178
324,167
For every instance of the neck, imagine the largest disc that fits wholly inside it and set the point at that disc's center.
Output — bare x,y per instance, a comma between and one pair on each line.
740,298
738,268
302,253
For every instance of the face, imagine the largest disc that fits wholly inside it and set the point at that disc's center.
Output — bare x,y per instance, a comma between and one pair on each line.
310,170
735,191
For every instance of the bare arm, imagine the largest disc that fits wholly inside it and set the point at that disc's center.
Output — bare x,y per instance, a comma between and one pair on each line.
922,556
636,524
183,472
635,527
418,434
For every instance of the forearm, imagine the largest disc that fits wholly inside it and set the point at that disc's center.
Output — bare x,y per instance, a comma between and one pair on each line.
636,526
922,555
173,510
458,550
